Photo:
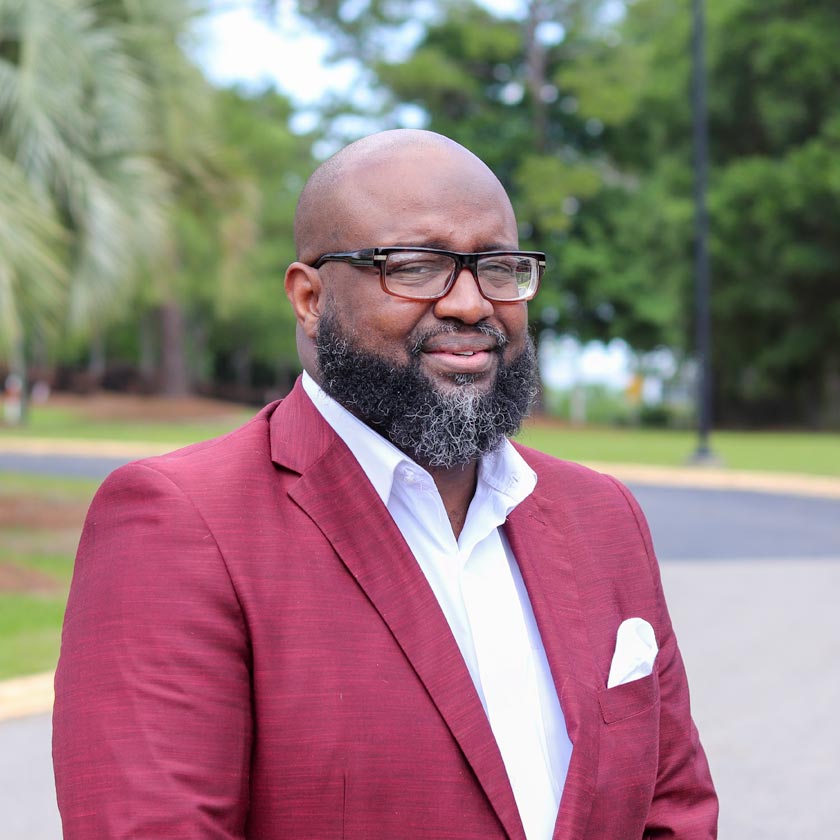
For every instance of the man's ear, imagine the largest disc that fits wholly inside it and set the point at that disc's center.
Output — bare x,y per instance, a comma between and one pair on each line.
306,294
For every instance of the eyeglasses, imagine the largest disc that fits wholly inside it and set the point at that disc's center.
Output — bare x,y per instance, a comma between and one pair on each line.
429,273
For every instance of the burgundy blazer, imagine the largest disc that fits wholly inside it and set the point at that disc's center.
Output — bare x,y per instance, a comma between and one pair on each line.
251,651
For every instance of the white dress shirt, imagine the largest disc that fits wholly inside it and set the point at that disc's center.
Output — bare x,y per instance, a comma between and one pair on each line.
477,583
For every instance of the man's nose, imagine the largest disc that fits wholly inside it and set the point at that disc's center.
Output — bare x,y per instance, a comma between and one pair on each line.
464,301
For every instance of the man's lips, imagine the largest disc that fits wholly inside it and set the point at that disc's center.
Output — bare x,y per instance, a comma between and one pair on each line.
461,354
460,345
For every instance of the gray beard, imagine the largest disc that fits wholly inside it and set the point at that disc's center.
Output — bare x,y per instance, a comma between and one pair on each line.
435,428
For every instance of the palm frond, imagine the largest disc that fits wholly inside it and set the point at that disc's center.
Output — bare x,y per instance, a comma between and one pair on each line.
33,277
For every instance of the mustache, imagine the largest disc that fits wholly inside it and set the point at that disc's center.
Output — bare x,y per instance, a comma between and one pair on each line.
419,342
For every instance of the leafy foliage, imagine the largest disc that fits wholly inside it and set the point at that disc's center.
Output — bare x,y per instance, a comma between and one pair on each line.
76,163
141,208
253,323
773,68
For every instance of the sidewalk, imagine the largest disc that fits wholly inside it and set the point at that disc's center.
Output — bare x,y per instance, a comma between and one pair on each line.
25,696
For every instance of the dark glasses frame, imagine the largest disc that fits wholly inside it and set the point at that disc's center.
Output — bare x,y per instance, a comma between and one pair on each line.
377,257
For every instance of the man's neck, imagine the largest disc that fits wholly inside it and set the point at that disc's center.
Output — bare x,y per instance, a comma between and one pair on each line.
456,486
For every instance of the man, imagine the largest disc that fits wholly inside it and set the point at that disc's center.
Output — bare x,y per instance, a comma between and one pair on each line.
366,614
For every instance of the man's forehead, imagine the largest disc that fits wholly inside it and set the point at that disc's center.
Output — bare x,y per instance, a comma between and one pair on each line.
415,204
407,175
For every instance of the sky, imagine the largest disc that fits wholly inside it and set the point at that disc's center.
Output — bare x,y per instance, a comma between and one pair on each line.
236,45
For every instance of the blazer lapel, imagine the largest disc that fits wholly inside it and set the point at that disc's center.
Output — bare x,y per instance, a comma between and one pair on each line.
335,493
541,549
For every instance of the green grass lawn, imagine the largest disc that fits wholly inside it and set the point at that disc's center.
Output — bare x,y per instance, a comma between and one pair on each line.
40,522
30,633
55,422
815,454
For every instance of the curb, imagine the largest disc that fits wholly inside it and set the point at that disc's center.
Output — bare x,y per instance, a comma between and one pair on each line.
25,696
716,478
85,448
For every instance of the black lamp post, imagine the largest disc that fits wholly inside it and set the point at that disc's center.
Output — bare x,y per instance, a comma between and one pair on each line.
702,274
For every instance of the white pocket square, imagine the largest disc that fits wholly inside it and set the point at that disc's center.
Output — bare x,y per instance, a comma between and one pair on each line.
635,652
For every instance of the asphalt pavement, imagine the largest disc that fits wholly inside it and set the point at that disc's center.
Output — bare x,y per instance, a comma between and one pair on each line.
28,810
752,580
690,524
74,466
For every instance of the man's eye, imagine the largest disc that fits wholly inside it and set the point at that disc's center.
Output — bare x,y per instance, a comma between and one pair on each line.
412,268
416,269
499,272
499,268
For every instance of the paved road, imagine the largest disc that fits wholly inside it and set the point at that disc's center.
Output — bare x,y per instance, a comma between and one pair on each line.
690,524
27,795
686,523
752,581
78,466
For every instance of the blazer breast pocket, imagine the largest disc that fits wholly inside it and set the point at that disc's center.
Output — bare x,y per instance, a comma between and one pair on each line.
625,701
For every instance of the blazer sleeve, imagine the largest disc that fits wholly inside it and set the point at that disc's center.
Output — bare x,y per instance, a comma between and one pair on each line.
684,803
152,725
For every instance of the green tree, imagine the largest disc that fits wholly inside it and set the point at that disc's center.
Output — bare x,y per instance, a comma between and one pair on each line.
121,185
186,146
251,331
774,68
84,198
233,243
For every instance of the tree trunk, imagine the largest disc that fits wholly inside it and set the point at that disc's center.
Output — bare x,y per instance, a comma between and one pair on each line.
146,339
175,381
16,388
97,358
242,368
537,13
829,413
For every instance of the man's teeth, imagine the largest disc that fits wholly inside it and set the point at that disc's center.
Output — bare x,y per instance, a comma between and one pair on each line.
465,353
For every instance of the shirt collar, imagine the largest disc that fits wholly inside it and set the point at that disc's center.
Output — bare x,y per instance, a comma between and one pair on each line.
504,478
507,476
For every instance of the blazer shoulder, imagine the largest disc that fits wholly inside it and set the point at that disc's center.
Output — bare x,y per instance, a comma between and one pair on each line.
214,463
571,476
585,491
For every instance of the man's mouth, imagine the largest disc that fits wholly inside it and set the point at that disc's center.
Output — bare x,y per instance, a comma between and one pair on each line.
462,342
452,360
473,352
461,345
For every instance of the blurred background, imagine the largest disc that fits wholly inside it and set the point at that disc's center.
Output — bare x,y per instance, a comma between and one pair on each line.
151,154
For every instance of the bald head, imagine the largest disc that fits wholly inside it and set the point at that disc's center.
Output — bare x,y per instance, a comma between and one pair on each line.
342,191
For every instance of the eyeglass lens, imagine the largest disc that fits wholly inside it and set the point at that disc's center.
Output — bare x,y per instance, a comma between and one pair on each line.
425,275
